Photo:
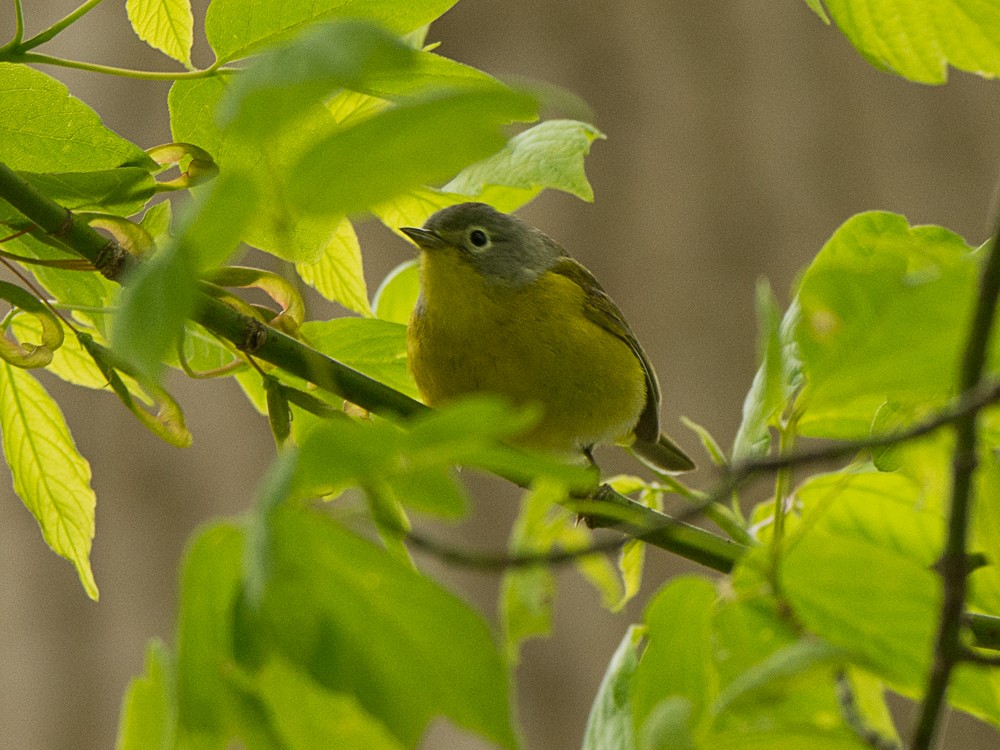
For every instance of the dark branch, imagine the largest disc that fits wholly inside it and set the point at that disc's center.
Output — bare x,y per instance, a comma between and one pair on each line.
953,566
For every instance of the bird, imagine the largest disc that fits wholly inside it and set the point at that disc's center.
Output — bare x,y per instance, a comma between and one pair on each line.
504,310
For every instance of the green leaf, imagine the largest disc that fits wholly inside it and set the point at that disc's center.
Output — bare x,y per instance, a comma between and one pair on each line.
817,7
677,661
44,129
883,310
789,661
272,223
888,511
413,207
88,290
919,40
774,383
123,191
668,726
210,584
338,274
549,155
307,717
397,294
374,347
609,726
235,28
29,354
284,83
161,294
415,651
528,593
401,148
149,709
887,623
70,361
166,25
157,220
50,476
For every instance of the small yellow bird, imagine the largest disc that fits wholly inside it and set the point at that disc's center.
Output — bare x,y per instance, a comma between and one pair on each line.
503,309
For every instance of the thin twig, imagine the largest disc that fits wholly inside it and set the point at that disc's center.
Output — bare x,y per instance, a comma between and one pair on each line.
953,565
493,562
60,25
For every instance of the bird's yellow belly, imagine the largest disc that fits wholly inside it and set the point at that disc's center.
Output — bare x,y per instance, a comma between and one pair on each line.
532,345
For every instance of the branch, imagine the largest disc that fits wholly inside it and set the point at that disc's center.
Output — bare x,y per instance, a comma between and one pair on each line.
610,510
953,566
297,358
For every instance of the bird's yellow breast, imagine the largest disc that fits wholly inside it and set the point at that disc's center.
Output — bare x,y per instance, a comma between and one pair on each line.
532,345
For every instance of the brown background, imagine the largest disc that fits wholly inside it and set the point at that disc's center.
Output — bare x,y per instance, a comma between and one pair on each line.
740,135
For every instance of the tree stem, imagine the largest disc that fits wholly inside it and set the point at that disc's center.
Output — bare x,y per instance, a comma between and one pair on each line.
953,565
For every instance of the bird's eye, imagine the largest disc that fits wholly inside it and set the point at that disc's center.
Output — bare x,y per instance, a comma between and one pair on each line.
479,238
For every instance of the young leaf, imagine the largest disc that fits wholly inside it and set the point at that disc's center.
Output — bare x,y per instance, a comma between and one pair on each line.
610,722
919,41
882,307
235,28
415,651
149,710
677,661
772,386
549,155
50,476
44,129
338,274
397,294
166,25
406,146
374,347
161,293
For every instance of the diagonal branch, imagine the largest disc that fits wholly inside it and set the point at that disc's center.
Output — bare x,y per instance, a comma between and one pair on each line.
297,358
634,519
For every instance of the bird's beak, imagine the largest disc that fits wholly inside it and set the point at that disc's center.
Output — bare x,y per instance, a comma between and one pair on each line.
425,238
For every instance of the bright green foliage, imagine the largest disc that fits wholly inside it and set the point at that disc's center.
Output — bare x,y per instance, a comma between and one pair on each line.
375,347
679,655
408,145
149,710
919,39
44,129
881,318
296,632
50,476
415,465
166,25
610,722
549,155
123,191
161,295
396,296
337,275
331,598
773,384
236,28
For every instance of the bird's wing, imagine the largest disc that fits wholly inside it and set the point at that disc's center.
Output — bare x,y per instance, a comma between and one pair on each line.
603,311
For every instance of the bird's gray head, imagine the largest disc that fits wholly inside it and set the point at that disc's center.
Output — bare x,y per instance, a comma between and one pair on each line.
501,247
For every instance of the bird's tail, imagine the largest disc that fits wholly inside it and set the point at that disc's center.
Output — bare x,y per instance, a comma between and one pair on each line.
663,455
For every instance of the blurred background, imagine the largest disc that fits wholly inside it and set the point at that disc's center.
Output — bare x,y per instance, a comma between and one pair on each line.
740,135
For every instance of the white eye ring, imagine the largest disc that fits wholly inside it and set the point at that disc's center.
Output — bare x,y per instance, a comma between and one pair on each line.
479,239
